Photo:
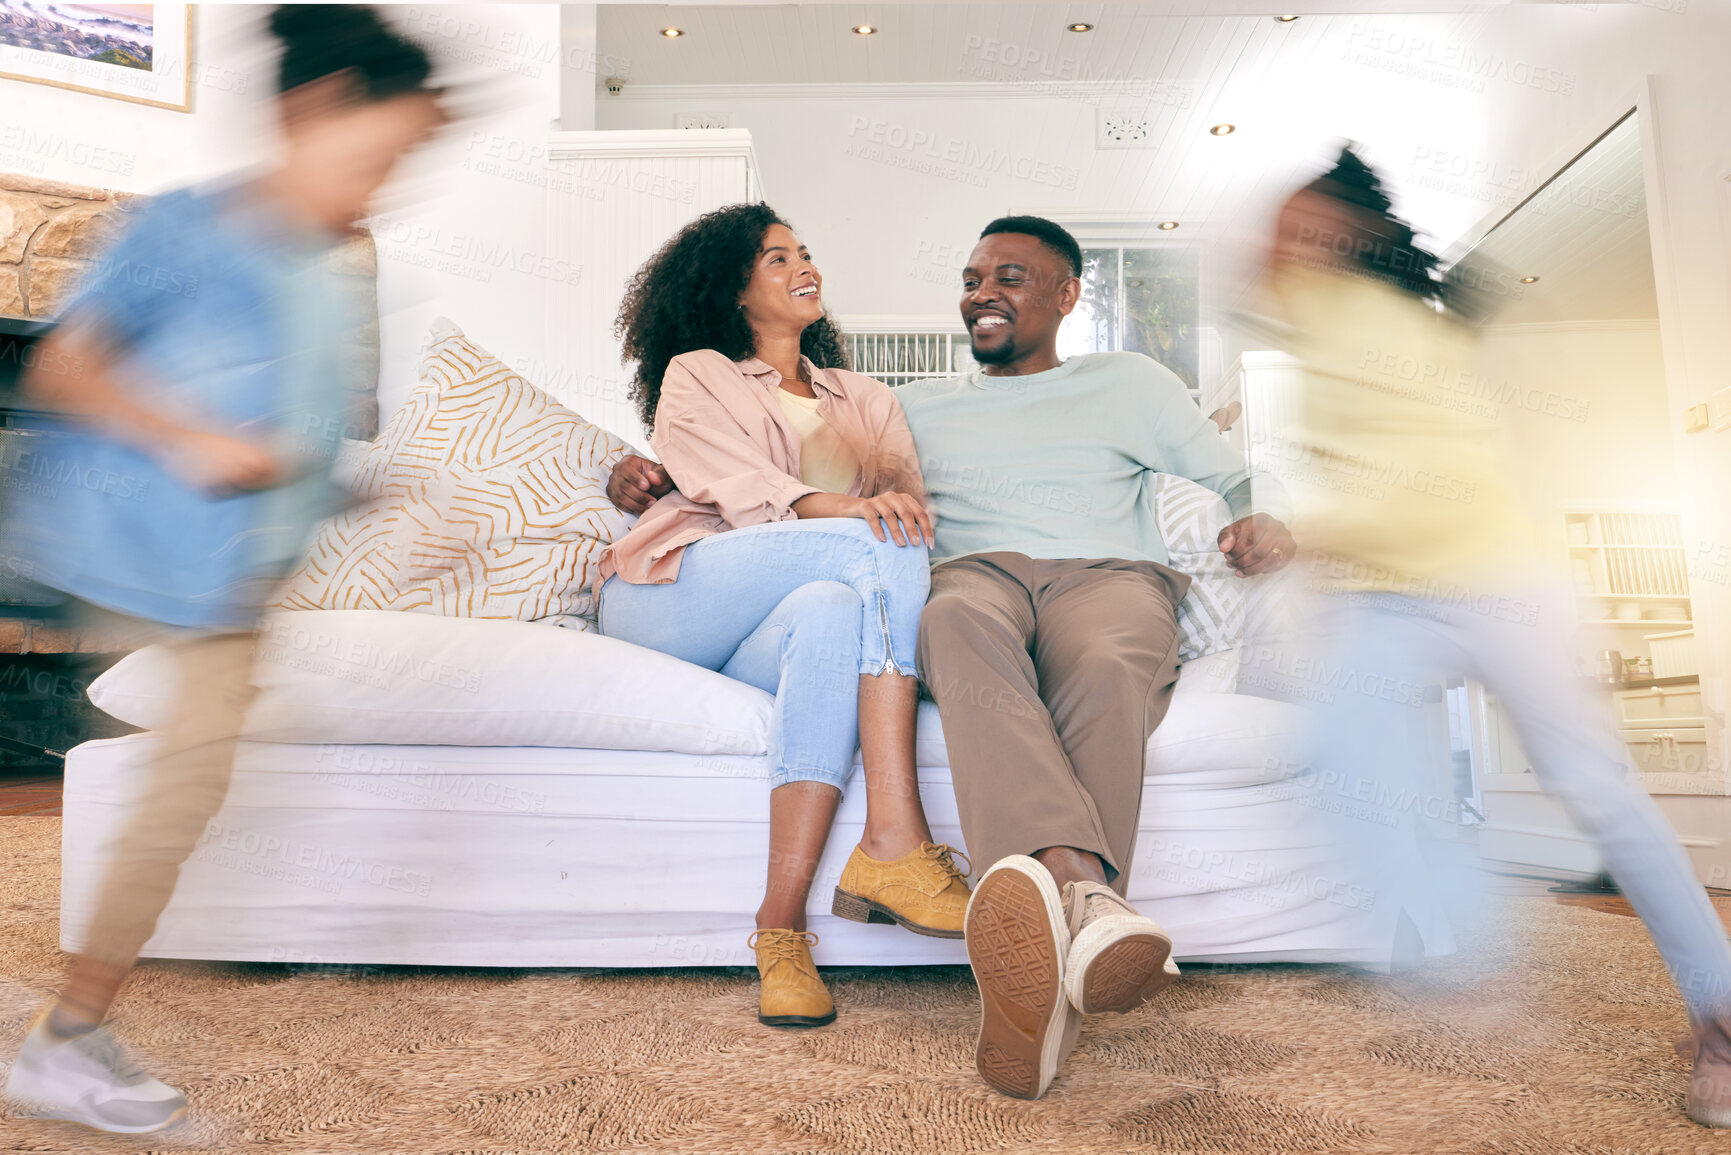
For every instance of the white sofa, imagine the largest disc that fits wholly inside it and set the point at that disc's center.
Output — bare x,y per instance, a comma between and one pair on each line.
540,855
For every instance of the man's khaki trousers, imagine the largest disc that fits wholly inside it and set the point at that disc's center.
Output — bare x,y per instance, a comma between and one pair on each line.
1050,677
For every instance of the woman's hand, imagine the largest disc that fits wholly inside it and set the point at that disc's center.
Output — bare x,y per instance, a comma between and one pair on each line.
900,513
636,482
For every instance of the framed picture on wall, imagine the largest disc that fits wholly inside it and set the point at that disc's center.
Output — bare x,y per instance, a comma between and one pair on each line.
136,52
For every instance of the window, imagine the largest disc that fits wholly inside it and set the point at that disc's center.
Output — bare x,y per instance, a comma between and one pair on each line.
1140,299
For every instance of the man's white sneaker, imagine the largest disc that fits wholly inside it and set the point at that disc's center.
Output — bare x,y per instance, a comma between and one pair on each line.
1016,943
88,1079
1119,958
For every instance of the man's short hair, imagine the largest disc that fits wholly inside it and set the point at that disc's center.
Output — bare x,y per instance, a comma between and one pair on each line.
1054,236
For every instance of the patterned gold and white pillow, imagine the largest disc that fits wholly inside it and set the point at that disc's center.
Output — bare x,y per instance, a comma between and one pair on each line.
1190,518
486,498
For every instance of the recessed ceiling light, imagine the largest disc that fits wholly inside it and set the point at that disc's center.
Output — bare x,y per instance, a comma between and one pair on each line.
670,33
1167,226
1528,280
1223,130
1081,27
1284,19
864,30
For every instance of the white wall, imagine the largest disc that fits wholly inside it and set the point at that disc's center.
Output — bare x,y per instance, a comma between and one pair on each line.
1680,45
80,138
1620,455
1622,451
463,227
582,67
890,185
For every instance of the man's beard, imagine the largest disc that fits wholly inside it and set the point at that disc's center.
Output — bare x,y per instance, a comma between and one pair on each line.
1002,355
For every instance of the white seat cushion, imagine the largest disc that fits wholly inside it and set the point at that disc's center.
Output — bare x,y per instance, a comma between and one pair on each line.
1219,739
378,676
384,678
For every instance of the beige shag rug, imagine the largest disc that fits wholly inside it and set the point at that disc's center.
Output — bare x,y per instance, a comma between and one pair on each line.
1550,1037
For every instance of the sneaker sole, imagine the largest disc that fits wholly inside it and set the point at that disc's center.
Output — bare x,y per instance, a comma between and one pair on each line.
856,908
102,1128
796,1020
1116,965
1016,945
1715,1117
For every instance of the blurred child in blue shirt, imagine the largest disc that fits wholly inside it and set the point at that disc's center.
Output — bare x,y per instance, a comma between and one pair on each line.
197,392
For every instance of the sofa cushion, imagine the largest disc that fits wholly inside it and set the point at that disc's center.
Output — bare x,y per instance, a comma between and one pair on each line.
368,676
485,498
1208,737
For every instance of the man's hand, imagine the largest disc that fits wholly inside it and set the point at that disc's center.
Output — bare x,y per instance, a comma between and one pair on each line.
636,482
1257,544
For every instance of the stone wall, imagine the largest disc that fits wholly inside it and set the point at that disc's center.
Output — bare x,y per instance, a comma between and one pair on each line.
50,233
51,236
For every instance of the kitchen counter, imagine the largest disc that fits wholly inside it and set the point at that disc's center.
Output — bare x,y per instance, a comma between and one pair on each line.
1679,680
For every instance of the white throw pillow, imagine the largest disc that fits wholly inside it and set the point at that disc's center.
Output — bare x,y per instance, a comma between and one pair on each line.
1190,518
388,678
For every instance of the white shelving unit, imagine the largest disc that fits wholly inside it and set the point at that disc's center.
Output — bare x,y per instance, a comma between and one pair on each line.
1628,568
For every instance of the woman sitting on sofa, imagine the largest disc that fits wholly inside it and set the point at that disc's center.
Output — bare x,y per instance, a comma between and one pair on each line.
792,557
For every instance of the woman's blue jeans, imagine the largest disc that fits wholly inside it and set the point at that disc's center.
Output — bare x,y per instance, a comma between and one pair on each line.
798,608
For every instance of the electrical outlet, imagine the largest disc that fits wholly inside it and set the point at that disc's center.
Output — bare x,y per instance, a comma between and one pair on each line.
1719,410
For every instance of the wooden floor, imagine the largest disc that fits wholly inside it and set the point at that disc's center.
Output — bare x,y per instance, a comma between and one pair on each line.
1506,883
29,791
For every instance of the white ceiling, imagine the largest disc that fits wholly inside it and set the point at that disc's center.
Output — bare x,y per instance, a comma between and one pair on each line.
1584,235
1165,7
928,43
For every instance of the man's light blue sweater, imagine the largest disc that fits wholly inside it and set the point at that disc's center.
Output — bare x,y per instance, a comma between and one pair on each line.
1059,464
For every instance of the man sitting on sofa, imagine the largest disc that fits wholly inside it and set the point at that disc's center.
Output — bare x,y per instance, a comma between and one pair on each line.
1050,641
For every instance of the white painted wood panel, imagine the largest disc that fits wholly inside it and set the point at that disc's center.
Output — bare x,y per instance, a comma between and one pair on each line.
613,198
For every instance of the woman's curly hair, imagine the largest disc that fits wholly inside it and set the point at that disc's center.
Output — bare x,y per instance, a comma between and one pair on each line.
686,297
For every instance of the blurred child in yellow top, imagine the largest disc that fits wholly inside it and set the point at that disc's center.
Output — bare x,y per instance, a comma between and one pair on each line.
1395,466
1428,569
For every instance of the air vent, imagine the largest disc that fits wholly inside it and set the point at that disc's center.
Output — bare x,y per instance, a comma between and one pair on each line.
1134,121
896,358
1115,129
703,120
